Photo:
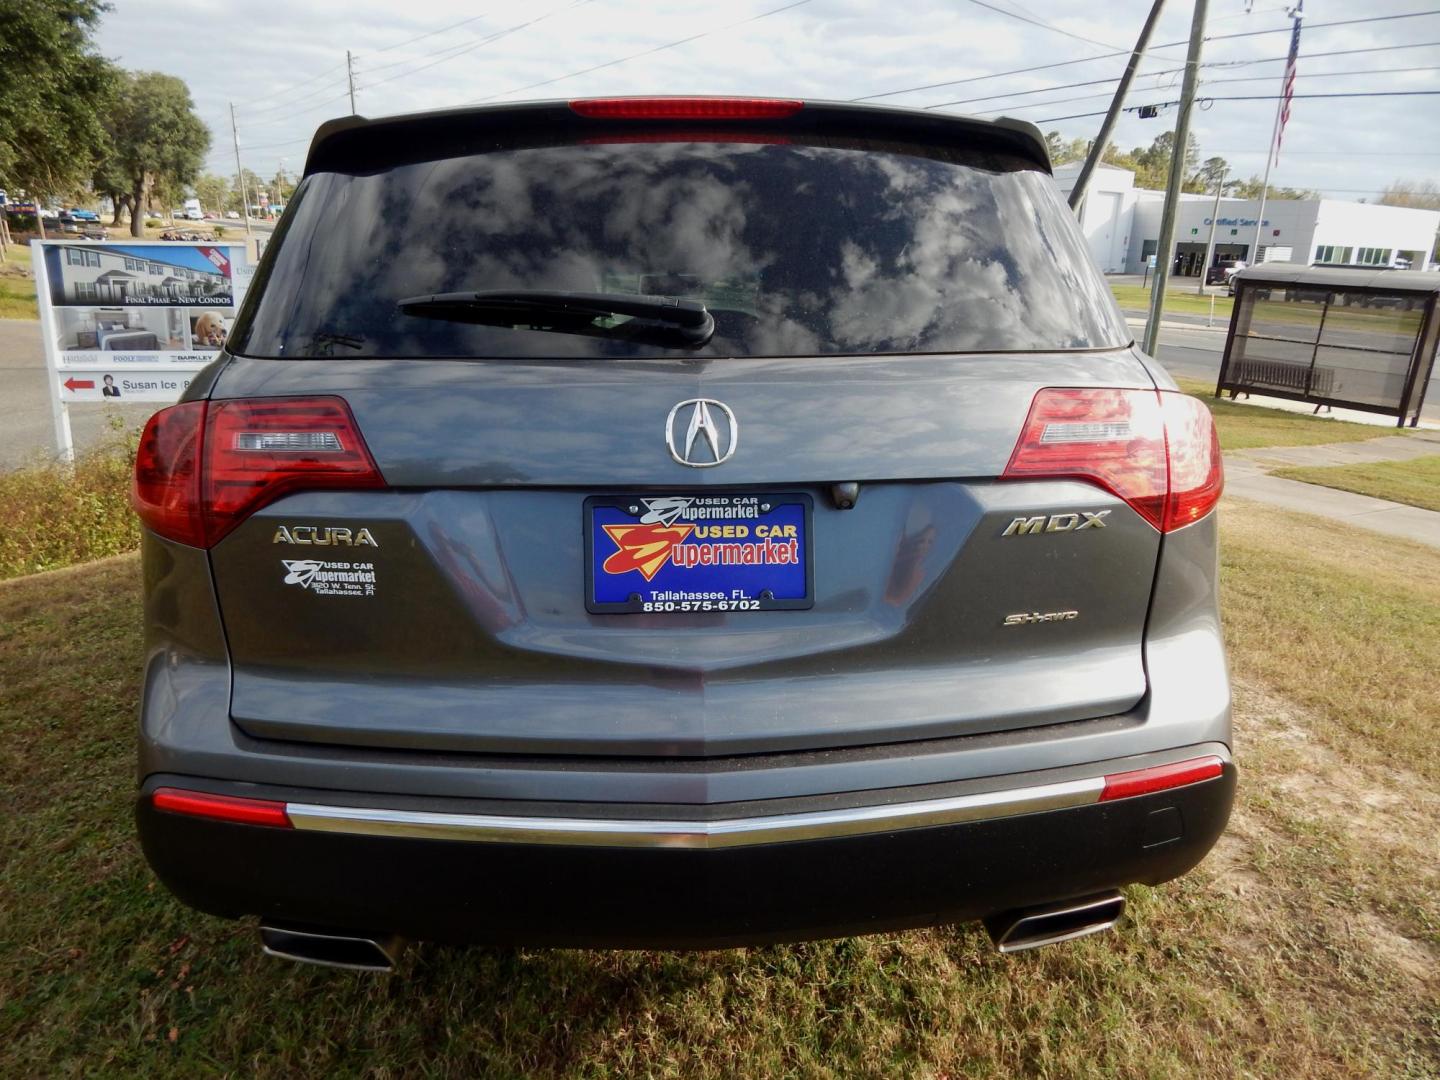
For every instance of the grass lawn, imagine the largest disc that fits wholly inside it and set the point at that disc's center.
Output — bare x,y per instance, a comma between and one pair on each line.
1244,427
17,287
1307,945
1416,482
1179,299
53,516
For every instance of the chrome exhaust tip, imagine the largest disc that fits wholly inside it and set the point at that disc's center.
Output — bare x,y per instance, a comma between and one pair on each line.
1047,924
378,953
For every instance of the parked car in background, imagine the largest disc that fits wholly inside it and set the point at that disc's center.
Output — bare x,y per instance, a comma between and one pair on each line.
471,617
233,215
88,228
1223,271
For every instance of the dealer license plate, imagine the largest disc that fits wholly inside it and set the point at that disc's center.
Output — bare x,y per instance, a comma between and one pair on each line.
688,553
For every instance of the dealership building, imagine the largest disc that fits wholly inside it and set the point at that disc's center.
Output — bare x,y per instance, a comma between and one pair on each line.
1122,225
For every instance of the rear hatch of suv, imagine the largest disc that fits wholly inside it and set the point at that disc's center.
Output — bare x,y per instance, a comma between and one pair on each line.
914,485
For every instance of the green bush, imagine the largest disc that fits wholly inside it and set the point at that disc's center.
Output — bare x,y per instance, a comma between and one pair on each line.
219,231
53,516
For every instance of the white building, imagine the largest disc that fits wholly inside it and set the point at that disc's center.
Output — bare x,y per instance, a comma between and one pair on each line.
1122,224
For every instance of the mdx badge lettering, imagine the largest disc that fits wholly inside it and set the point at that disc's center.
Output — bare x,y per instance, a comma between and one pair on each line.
1085,519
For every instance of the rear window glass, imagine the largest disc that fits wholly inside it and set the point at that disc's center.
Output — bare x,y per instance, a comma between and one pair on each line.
797,249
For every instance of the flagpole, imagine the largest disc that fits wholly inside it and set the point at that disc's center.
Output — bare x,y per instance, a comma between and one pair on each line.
1265,184
1273,152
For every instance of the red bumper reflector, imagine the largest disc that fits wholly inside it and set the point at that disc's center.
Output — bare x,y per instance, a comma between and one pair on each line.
686,108
222,807
1161,778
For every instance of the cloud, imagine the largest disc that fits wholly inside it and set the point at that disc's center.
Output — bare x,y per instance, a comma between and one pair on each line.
283,65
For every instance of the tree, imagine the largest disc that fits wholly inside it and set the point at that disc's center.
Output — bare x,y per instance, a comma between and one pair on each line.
1063,152
213,192
252,187
155,138
1211,173
109,182
281,187
54,89
1152,163
1250,189
1417,194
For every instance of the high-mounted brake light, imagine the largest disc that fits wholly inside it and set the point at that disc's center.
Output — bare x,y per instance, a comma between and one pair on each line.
686,108
232,808
203,467
1157,450
1160,778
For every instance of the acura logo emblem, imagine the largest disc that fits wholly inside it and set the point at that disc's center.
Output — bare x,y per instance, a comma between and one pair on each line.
702,433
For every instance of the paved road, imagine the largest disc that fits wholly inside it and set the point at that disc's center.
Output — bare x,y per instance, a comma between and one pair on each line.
26,431
1195,354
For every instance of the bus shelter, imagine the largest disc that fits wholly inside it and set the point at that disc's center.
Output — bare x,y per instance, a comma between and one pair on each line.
1353,338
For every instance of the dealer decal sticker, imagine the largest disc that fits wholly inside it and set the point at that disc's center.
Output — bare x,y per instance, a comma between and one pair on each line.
324,578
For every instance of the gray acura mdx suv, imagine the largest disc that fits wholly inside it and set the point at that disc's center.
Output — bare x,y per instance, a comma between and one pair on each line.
678,522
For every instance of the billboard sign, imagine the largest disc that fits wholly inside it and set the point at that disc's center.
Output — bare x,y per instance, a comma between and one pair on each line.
133,320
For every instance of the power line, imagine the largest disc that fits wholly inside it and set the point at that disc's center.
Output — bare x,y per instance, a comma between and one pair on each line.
432,33
647,52
1217,82
482,42
292,112
296,86
284,107
1341,153
1044,25
1251,97
1172,71
1126,52
1321,26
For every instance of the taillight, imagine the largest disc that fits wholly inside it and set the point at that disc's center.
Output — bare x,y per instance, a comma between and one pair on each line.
166,494
1157,450
203,467
1197,472
258,450
686,108
233,808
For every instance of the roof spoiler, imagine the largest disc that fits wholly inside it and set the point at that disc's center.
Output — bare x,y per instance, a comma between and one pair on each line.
352,142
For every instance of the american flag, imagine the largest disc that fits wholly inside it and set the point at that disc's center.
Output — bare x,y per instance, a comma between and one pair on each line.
1287,89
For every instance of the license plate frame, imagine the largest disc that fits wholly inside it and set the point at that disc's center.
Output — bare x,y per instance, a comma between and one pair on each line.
676,588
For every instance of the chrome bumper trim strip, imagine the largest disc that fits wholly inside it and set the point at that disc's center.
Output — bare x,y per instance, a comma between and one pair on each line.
695,835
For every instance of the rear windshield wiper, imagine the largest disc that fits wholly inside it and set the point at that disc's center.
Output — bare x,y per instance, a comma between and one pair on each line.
661,320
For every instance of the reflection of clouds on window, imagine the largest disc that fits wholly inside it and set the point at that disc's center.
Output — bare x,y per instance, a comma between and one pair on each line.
799,250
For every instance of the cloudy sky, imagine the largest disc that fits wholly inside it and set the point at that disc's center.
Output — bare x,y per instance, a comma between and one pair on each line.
283,66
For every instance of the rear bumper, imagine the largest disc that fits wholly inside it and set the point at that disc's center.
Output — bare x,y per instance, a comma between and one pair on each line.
451,872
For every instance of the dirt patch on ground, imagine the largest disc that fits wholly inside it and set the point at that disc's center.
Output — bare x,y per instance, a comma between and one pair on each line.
1367,835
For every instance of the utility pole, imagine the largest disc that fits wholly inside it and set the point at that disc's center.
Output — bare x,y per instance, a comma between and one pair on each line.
1097,148
1166,250
1210,244
350,75
240,173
